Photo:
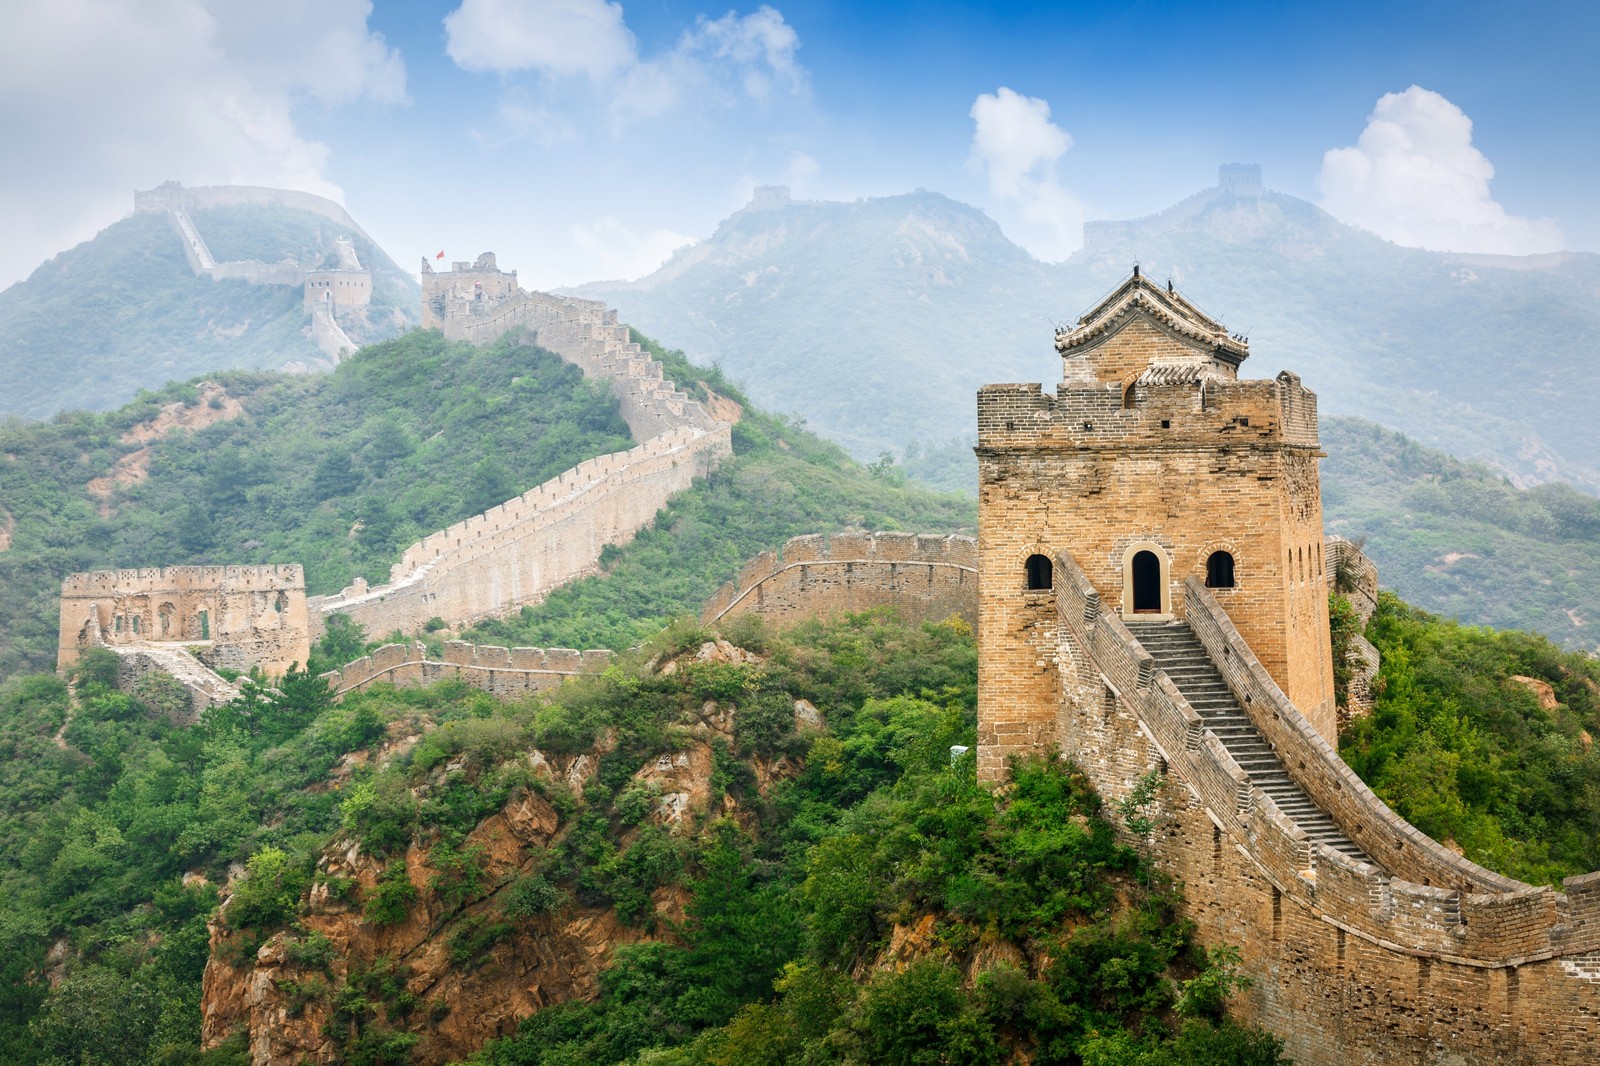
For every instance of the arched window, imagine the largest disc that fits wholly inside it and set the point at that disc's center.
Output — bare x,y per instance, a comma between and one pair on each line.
1128,397
1146,583
1041,575
136,623
1219,571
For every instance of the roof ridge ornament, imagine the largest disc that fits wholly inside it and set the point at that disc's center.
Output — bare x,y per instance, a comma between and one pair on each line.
1166,306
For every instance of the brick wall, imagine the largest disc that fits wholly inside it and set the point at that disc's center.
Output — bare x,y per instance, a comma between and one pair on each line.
929,578
517,552
240,615
1424,959
503,672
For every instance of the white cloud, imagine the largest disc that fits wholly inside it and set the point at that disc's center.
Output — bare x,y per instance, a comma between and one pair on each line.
1016,146
617,252
98,97
560,37
1415,178
716,61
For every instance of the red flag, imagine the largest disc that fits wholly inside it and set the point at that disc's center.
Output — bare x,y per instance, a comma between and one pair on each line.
439,256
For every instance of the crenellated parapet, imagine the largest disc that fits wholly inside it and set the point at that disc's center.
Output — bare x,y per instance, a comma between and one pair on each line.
928,577
516,552
502,672
1332,941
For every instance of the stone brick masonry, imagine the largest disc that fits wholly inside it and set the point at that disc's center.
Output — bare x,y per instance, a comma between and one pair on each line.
1152,444
929,578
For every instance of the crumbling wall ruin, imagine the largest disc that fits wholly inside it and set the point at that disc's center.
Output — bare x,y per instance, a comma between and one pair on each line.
502,672
235,616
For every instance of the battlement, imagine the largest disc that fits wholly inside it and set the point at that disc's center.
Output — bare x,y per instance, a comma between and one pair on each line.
1164,407
927,577
516,552
505,673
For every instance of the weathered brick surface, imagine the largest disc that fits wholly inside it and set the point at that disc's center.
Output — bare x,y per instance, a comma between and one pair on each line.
242,616
502,672
1151,441
928,578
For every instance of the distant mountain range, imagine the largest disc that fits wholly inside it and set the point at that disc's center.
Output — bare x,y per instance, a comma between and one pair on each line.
140,305
879,319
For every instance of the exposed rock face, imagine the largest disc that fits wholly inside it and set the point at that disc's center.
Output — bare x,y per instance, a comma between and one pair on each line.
545,960
285,998
214,405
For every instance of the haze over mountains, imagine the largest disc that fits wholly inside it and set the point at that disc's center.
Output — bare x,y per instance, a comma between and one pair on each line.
127,311
879,319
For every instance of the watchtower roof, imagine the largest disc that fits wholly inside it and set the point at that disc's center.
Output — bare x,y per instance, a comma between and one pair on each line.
1167,308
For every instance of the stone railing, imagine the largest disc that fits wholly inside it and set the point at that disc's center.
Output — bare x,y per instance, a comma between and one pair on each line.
1423,899
928,577
502,672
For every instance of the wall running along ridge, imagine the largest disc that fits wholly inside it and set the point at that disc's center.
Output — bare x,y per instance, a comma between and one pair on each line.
1426,958
517,552
928,577
503,672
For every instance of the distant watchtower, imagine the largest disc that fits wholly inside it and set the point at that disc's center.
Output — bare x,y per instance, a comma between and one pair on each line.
1152,462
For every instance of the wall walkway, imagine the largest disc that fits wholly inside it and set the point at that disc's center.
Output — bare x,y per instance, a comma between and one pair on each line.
1419,956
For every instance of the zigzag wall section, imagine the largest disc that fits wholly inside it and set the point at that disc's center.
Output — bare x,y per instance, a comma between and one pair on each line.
517,552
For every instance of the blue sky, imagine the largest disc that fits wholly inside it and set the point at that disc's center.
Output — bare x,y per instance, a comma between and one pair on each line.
583,139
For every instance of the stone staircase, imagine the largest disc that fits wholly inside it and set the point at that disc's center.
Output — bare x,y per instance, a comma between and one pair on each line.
1180,654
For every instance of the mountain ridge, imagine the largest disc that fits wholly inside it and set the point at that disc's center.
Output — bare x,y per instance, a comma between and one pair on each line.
927,299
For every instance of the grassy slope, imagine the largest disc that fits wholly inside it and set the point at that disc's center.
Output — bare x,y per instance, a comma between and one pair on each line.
783,481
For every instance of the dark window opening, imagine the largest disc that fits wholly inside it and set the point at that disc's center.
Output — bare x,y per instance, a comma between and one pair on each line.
1166,423
1127,397
1219,571
1146,583
1040,573
205,625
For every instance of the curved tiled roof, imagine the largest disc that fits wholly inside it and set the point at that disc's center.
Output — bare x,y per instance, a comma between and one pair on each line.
1166,306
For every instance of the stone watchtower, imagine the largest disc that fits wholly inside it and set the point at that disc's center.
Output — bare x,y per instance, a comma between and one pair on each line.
1152,462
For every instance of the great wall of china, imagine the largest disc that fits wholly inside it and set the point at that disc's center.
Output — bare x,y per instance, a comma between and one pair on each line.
327,291
1365,941
511,555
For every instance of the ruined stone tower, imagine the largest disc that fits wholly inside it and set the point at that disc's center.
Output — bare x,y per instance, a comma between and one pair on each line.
1152,463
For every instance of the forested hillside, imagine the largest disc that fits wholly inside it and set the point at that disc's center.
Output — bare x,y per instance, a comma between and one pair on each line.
340,472
825,894
123,312
1460,540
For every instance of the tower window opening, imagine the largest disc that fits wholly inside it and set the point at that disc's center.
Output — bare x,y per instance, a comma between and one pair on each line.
1041,573
1146,583
1127,396
1219,571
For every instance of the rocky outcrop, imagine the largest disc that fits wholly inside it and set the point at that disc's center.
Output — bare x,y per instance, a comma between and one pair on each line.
462,968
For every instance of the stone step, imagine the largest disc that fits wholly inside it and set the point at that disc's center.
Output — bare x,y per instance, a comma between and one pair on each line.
1180,655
